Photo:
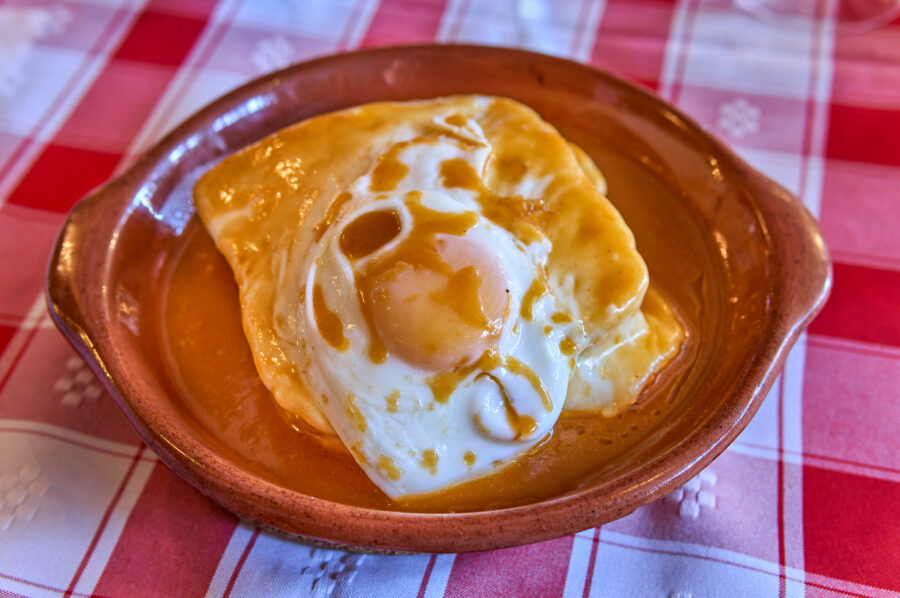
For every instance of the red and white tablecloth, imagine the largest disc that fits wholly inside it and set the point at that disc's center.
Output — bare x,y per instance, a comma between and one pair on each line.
806,501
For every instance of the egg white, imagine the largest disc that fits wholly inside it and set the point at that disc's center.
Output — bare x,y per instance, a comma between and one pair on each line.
474,419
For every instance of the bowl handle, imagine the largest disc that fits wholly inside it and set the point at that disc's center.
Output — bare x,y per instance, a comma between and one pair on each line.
73,295
799,252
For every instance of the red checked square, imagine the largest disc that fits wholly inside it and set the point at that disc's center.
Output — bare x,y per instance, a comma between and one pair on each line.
542,565
160,38
850,527
6,334
136,88
863,306
864,134
61,176
172,542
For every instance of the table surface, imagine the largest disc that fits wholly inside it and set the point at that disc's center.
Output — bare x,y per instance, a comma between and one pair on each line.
805,501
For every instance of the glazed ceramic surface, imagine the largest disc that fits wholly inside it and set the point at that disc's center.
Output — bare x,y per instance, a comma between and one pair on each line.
739,256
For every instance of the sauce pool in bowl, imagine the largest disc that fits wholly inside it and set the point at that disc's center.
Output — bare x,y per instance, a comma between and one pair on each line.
209,359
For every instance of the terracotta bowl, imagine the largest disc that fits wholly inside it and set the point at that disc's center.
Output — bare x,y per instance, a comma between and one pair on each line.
736,252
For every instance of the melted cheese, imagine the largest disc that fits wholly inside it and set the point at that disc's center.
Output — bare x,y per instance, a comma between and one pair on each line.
269,206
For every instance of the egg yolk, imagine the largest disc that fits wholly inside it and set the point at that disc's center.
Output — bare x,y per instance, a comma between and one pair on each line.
444,317
436,299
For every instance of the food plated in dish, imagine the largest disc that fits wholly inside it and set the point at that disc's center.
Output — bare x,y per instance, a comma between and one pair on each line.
457,282
737,258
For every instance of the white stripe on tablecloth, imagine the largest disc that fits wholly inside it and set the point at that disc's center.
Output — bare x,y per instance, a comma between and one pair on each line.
690,549
578,564
50,122
823,63
276,566
440,574
882,262
814,173
859,469
23,588
361,25
71,494
673,56
634,566
783,167
405,580
114,525
821,77
230,557
152,129
792,455
756,450
585,44
566,30
118,449
453,12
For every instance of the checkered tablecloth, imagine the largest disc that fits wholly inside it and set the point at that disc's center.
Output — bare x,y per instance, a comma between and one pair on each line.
806,501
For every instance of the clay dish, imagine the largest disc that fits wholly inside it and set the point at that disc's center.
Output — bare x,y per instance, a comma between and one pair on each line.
737,253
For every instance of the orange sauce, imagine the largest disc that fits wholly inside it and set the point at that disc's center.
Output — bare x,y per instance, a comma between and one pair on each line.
469,458
387,464
534,292
518,215
430,460
388,172
523,425
392,401
561,318
210,362
456,120
369,232
328,322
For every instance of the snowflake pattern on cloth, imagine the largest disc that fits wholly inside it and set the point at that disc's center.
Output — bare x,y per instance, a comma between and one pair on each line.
20,493
697,493
19,29
739,118
78,384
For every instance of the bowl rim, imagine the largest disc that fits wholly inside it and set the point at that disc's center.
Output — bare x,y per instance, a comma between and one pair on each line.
326,521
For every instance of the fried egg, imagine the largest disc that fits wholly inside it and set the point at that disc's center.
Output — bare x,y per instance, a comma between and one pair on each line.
434,282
